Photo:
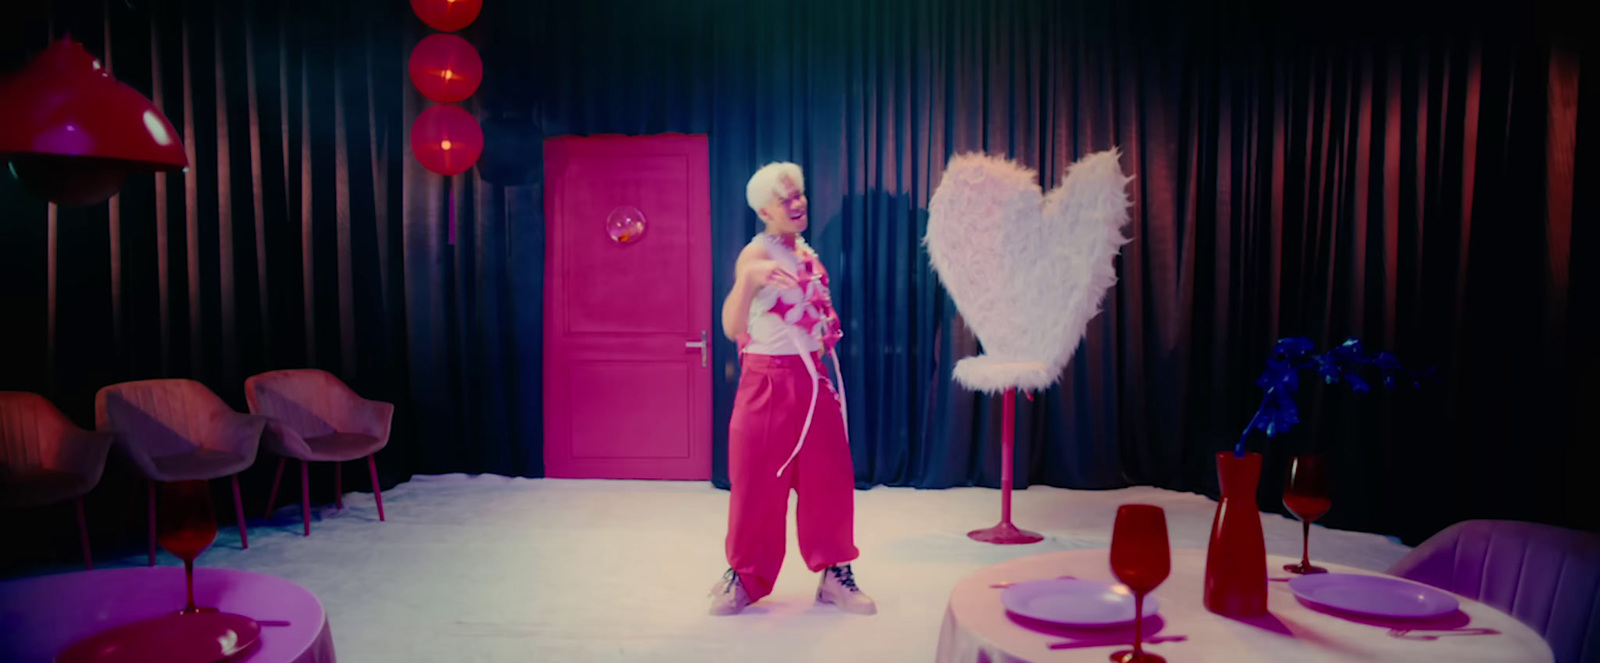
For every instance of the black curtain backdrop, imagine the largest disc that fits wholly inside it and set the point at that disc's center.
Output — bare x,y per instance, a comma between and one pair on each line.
1411,179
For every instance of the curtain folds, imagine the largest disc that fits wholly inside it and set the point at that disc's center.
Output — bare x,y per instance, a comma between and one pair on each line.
1408,182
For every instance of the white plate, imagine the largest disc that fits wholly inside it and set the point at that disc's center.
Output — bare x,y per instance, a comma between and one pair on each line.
1380,596
1075,602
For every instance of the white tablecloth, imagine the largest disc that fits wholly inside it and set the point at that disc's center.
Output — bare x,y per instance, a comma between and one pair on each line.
977,627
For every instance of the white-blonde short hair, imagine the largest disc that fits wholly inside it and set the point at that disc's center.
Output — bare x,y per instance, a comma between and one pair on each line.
766,182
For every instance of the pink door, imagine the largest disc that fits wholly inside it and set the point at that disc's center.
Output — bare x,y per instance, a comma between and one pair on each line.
627,308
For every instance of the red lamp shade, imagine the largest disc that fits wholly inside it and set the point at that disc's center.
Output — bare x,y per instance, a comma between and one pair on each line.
447,15
446,140
445,68
72,132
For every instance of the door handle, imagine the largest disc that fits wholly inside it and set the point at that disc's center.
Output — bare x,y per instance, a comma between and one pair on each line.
701,345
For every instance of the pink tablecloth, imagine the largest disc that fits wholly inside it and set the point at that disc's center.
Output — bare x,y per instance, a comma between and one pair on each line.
977,628
40,616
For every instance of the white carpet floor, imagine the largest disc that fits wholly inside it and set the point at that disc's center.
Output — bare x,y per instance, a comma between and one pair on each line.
489,568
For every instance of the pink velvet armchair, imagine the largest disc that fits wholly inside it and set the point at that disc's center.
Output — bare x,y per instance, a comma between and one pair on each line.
178,430
315,417
46,459
1548,577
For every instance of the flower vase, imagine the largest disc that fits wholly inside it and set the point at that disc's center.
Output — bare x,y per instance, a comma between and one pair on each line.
1236,560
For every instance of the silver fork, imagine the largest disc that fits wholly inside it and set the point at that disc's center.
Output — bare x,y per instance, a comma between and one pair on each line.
1082,644
1000,585
1406,633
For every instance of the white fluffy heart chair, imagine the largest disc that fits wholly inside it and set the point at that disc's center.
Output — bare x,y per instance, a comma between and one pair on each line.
1026,270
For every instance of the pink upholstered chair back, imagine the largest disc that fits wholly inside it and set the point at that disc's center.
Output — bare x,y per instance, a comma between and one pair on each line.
1548,577
167,417
31,430
309,401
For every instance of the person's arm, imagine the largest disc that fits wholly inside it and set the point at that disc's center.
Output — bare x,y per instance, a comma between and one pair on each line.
736,306
754,270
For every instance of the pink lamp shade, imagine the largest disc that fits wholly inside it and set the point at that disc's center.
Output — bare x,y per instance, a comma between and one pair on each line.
445,68
72,132
447,15
446,140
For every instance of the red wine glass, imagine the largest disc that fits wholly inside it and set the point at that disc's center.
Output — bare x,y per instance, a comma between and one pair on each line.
186,526
1141,559
1306,496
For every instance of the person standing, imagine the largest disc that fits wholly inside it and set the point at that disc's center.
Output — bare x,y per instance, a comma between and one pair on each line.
788,429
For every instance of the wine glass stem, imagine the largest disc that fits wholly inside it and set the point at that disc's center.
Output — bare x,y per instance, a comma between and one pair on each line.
188,572
1305,550
1138,625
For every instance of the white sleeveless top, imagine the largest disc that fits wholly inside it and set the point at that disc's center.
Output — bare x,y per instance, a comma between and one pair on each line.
805,310
797,321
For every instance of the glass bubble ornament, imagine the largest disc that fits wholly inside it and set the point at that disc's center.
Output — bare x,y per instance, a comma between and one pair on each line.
625,225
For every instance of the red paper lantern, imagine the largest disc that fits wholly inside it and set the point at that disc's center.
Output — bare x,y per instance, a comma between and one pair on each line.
447,15
446,140
72,132
445,68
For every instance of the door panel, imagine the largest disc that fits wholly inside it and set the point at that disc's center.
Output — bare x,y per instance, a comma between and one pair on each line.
628,395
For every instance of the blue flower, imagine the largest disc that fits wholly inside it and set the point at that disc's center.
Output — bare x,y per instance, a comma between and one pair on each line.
1328,369
1357,384
1386,361
1278,412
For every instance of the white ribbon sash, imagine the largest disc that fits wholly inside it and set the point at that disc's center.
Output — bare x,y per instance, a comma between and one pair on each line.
791,262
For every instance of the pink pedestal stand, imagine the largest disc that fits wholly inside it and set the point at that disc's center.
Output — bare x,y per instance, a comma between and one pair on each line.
1006,533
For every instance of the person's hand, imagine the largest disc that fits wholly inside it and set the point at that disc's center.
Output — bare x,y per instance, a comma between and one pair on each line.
767,272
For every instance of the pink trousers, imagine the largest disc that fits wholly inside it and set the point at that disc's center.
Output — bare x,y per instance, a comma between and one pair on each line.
768,414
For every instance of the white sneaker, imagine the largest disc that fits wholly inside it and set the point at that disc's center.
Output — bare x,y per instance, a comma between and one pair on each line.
838,587
728,595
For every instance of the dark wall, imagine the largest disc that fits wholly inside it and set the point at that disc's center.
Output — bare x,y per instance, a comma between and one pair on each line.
1409,178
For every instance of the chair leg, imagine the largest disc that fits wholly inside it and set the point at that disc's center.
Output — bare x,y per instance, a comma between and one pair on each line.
83,536
338,484
152,494
305,494
272,497
372,468
238,512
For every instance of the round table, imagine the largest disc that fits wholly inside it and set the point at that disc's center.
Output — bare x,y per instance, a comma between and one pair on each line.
41,616
978,628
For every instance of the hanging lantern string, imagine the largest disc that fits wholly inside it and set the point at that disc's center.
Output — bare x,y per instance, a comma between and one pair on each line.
447,70
1278,413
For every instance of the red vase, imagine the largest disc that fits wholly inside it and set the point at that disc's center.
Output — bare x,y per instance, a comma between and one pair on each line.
1236,561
